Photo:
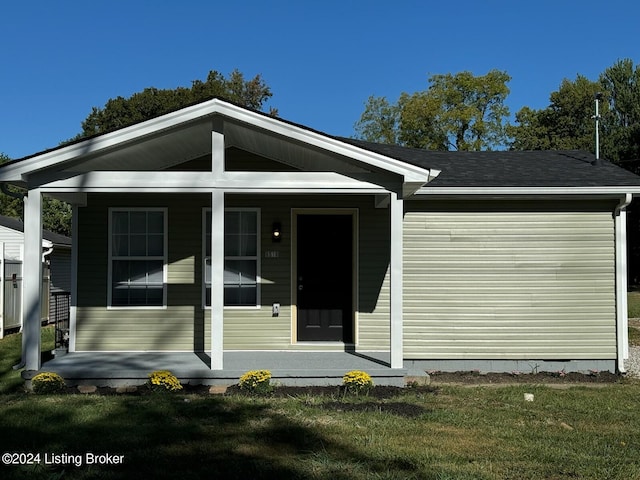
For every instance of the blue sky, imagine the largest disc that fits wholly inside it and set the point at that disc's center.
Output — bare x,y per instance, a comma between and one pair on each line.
322,59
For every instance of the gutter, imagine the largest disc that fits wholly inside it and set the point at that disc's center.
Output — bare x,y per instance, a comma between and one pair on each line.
622,320
5,189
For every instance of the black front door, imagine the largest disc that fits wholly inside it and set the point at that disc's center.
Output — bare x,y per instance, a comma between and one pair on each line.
325,277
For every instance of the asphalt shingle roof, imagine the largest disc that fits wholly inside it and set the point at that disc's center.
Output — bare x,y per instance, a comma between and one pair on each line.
17,225
540,168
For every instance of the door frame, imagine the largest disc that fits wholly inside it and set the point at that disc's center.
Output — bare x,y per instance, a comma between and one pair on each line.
353,212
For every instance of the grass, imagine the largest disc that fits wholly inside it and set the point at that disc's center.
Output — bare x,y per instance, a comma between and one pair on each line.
10,348
633,301
448,433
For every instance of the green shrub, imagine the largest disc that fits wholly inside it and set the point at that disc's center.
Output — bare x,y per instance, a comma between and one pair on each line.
357,382
48,382
256,381
163,381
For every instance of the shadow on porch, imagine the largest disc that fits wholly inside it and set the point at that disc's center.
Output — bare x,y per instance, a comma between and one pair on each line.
287,368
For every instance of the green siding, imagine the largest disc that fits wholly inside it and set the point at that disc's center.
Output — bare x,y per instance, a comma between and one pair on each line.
258,330
179,326
184,324
508,281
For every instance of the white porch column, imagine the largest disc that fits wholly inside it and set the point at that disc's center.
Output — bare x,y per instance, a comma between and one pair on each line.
32,280
217,247
396,213
73,301
217,279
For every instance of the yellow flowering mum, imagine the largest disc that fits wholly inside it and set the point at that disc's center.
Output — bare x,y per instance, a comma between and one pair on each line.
47,382
256,381
164,380
357,381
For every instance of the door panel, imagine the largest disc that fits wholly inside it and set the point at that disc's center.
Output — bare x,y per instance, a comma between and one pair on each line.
324,277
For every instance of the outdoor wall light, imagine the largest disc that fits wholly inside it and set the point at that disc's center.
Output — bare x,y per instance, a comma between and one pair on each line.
276,232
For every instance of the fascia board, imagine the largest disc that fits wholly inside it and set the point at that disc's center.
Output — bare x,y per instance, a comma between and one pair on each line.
510,191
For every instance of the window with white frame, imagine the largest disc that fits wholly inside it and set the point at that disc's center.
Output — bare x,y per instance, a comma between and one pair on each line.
137,257
241,247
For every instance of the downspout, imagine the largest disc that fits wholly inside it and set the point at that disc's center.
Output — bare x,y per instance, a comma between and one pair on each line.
5,189
622,320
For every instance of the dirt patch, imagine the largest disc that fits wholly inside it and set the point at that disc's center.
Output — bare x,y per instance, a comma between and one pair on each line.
382,392
477,378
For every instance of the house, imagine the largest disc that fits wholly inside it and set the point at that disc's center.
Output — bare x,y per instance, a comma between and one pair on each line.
215,239
56,264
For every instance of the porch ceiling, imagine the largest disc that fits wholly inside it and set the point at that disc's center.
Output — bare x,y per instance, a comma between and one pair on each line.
171,148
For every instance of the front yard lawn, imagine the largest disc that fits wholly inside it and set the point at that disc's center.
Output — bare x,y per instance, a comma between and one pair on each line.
445,432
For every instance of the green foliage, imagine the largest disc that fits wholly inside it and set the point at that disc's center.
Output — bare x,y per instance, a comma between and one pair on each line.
461,111
379,122
151,102
621,121
566,124
568,121
163,381
256,382
357,382
47,383
56,216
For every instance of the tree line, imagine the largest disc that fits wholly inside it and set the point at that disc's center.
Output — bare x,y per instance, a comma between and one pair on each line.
466,112
459,111
120,112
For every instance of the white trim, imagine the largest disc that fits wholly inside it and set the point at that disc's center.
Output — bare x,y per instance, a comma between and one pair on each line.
32,280
622,321
111,258
217,278
324,142
173,181
396,281
509,191
217,148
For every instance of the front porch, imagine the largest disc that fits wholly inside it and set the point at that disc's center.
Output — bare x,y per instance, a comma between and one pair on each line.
287,368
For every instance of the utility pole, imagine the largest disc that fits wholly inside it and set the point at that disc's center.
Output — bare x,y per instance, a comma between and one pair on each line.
598,97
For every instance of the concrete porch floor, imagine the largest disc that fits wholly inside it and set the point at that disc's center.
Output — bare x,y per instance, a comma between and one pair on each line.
287,368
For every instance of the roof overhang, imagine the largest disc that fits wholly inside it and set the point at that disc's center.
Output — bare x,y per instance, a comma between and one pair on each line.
610,191
183,135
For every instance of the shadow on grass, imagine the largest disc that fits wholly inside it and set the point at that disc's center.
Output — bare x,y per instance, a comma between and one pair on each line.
174,436
11,355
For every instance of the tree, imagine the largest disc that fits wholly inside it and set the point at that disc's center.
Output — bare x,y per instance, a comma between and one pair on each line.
461,111
566,124
621,122
151,102
568,121
9,206
379,122
56,214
